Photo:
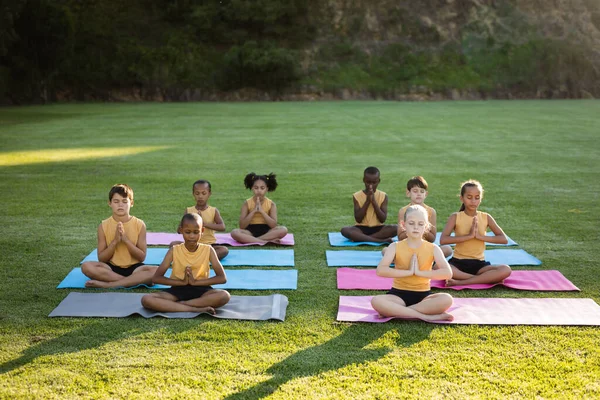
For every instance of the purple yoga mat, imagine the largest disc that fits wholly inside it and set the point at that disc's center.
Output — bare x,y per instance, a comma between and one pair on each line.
490,311
163,239
367,279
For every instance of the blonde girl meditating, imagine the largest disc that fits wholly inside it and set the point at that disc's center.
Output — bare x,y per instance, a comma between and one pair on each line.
410,296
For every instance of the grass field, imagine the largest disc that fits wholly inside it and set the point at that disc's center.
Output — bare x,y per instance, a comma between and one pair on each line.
538,161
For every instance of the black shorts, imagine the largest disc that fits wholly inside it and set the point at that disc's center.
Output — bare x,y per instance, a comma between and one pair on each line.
258,229
369,230
468,266
124,271
410,297
188,292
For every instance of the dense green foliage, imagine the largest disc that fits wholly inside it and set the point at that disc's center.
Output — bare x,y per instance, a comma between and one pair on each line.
105,49
59,161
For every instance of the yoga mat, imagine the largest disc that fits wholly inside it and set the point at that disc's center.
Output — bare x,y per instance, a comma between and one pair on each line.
249,279
164,239
154,255
119,305
490,311
337,240
510,241
250,258
357,258
367,279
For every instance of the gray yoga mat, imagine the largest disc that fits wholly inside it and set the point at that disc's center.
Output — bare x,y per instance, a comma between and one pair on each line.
119,305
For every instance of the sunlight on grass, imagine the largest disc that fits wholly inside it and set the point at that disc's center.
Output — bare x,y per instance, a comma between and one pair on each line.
60,155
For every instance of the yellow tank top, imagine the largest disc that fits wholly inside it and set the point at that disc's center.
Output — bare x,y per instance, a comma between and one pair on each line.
402,261
208,216
258,218
199,260
429,210
370,218
471,249
121,257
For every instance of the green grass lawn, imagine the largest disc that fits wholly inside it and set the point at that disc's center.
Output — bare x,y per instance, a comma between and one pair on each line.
537,160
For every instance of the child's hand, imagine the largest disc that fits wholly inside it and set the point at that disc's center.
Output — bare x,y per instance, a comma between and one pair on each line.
119,232
474,231
189,276
414,264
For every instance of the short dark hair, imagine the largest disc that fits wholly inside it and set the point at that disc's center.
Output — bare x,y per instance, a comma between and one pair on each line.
202,182
418,181
122,189
371,171
191,217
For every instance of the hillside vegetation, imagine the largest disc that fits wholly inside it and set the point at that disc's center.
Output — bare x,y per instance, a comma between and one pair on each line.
183,50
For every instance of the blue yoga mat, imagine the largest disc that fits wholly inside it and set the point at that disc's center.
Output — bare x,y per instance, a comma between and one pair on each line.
249,258
337,240
510,241
250,279
356,258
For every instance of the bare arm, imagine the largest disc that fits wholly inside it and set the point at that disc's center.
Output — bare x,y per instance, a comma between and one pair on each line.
137,251
106,251
380,211
219,277
442,270
499,236
218,225
246,215
401,231
159,276
383,268
360,212
446,237
429,234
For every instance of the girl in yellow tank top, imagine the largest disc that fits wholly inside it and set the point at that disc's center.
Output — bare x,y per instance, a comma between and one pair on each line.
258,216
470,226
413,271
191,288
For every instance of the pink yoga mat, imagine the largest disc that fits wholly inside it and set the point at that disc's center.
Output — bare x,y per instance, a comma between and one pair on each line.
490,311
163,239
367,279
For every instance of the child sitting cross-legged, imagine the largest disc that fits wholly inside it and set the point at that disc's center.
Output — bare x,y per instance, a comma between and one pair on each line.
190,283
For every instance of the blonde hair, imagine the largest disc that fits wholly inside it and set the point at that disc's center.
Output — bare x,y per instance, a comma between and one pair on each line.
416,208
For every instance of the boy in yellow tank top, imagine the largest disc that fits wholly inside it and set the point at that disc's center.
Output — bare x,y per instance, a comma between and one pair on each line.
417,190
211,218
121,246
370,212
413,257
469,226
191,288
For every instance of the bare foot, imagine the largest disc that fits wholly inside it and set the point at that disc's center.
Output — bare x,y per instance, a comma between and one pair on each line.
96,284
276,241
438,317
209,310
452,282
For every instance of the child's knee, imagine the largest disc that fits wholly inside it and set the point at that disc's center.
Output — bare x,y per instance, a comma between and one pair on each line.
446,300
284,230
506,270
147,301
87,267
223,298
222,252
346,231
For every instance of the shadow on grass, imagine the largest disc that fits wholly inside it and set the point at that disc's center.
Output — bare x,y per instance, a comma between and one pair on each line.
345,349
92,335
